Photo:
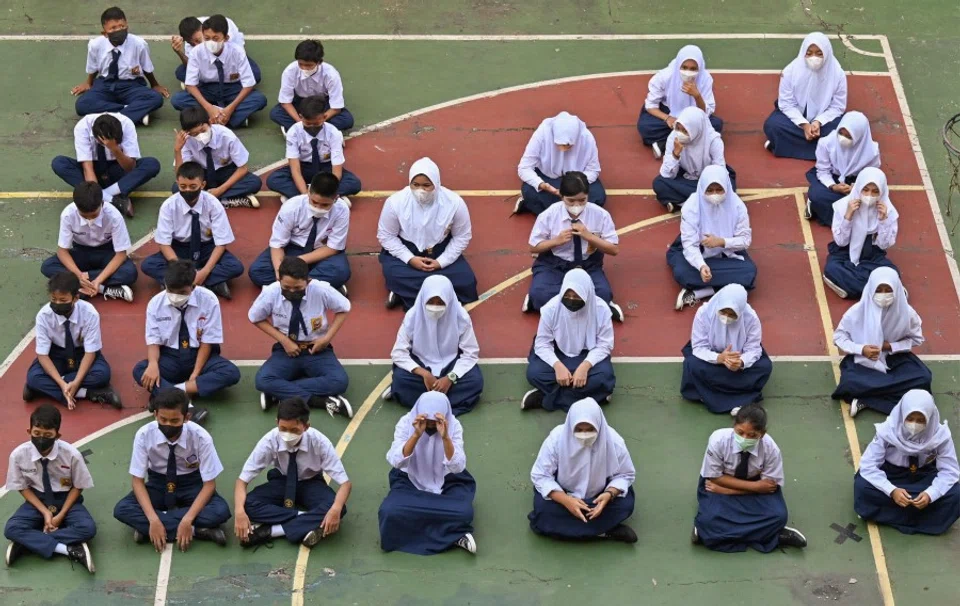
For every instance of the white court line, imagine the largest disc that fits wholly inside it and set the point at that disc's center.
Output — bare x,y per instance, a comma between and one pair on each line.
456,38
163,575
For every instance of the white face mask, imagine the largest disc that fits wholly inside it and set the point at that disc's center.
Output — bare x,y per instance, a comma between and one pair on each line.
726,320
214,46
586,438
289,438
814,62
204,137
425,197
177,300
845,141
716,199
682,137
317,212
868,201
914,429
574,209
306,73
435,311
883,299
688,75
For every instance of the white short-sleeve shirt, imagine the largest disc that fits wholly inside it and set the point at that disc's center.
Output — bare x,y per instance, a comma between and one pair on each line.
556,219
226,146
294,223
315,456
84,328
201,68
66,468
204,322
723,456
175,222
109,226
134,59
329,144
85,144
320,298
326,82
194,452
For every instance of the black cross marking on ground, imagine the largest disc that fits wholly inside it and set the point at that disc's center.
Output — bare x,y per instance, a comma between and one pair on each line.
845,533
86,453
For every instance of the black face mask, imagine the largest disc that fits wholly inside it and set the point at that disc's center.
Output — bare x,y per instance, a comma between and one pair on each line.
293,295
573,304
170,432
430,431
42,444
62,309
118,37
313,131
190,196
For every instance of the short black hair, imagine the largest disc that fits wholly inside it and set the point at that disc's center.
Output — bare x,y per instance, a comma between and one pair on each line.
753,414
310,51
295,267
192,117
192,170
88,196
293,409
188,27
108,127
113,13
64,282
312,107
170,398
179,274
325,184
45,417
574,182
217,24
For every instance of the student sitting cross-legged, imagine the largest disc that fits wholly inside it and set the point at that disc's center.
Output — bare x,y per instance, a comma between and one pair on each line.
173,471
583,479
309,75
295,502
190,35
740,494
429,508
908,476
69,365
51,475
93,245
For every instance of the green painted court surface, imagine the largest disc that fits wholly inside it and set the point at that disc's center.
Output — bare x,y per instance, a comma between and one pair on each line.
666,436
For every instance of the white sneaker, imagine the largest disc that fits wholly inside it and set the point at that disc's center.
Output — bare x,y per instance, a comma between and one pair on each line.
616,311
387,394
339,405
183,86
734,411
766,145
685,298
657,152
855,407
244,202
518,205
343,290
118,292
146,120
807,211
346,201
283,131
283,199
839,291
468,543
670,207
525,307
392,300
246,122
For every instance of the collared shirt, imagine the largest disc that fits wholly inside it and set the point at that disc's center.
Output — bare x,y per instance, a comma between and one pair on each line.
885,236
226,146
469,351
134,59
84,327
320,298
740,239
109,226
657,94
390,229
843,336
175,222
66,468
672,165
194,450
203,320
723,457
700,337
556,219
201,68
879,451
294,223
326,82
315,456
329,144
236,36
86,144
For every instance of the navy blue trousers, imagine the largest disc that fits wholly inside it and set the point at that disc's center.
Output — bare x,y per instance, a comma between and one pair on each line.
254,102
25,526
93,259
108,173
281,180
731,523
552,519
308,374
248,185
853,278
725,270
405,281
335,269
676,191
600,381
536,200
314,498
342,121
39,381
132,98
408,387
548,273
213,514
822,198
787,139
654,130
217,374
719,389
873,505
424,523
181,72
227,268
882,391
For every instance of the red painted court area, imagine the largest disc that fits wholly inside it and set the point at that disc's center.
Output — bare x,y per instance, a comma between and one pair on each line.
477,145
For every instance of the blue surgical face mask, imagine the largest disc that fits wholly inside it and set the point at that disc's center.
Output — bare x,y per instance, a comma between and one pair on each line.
745,443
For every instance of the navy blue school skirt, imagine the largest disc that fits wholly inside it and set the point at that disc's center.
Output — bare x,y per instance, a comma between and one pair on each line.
552,519
678,189
731,523
787,139
840,270
725,270
881,391
822,198
722,390
871,504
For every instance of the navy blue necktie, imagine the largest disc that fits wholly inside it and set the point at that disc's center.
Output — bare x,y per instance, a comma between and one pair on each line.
195,233
743,468
220,94
47,487
577,247
211,167
113,71
312,238
296,322
315,153
170,496
69,349
101,153
290,492
184,338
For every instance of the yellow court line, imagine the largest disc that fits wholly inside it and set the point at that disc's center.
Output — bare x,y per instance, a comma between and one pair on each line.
853,440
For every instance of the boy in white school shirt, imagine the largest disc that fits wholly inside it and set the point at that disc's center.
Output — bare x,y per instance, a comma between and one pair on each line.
191,35
307,76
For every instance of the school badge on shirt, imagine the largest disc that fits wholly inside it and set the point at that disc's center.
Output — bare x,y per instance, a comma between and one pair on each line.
234,77
316,323
65,483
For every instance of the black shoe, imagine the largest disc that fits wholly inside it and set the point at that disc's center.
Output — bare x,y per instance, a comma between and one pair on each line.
214,535
260,535
532,399
105,395
317,402
338,405
80,553
123,204
139,538
392,300
267,402
28,394
622,533
199,415
791,537
14,551
313,537
222,291
695,537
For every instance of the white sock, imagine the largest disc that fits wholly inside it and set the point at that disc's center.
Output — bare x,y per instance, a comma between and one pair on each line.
111,191
60,548
193,530
181,386
300,512
101,288
81,393
703,293
277,531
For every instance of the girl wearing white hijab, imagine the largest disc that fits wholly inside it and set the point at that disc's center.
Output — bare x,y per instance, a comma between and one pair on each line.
865,225
560,144
711,250
908,474
813,96
841,156
692,146
436,350
583,479
429,508
877,335
570,358
424,229
724,364
682,84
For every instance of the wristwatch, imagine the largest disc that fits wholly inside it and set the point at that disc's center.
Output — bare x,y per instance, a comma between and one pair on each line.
453,377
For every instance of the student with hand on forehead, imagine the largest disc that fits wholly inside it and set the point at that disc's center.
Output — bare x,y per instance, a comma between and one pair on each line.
190,35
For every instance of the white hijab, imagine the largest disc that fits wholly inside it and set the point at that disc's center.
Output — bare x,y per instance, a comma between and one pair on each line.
676,99
426,223
813,90
715,219
871,324
732,296
575,331
851,160
425,468
436,342
696,154
930,439
866,220
565,129
582,471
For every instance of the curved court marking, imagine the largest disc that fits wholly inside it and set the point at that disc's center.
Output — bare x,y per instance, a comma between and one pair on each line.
847,41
